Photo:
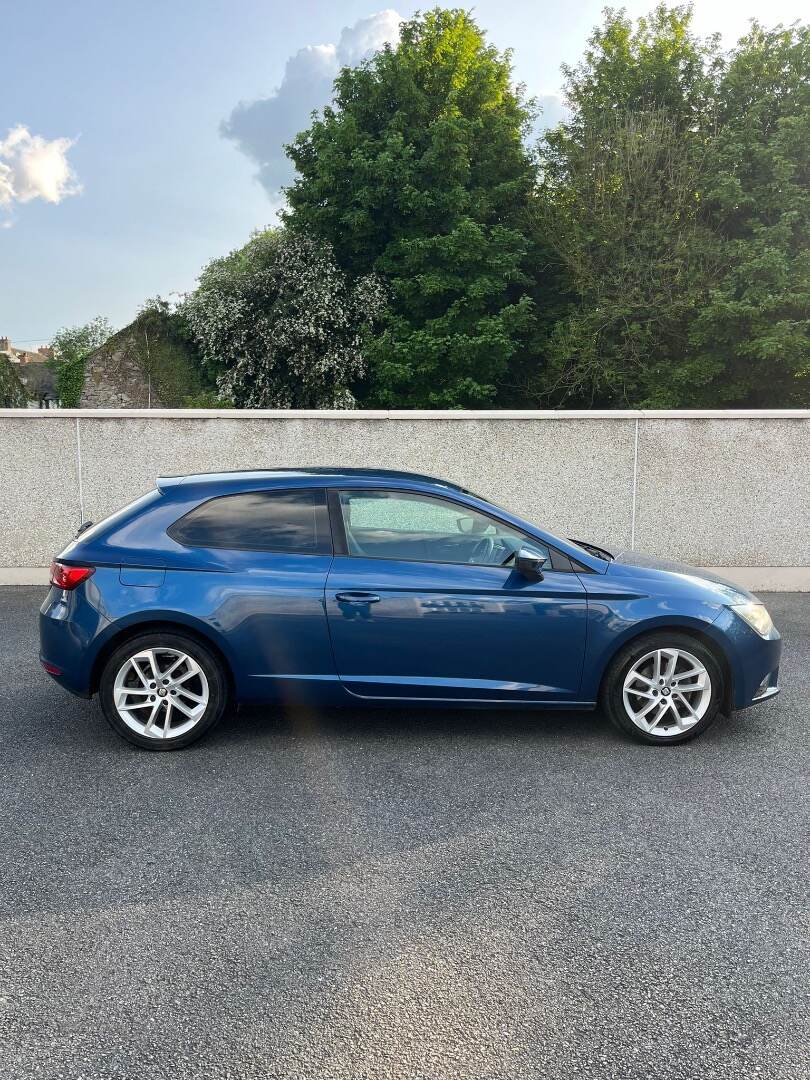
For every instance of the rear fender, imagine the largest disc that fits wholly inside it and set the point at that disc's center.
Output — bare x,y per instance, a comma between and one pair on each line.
157,619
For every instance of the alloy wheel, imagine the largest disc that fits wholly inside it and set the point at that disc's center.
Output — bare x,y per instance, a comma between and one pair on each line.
161,693
666,692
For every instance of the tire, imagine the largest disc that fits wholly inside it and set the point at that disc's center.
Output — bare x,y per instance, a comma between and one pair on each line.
193,703
633,685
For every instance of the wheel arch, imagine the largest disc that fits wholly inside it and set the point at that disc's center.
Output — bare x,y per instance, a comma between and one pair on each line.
697,630
161,624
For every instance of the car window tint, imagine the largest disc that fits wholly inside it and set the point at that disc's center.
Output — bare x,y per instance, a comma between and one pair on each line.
294,521
406,525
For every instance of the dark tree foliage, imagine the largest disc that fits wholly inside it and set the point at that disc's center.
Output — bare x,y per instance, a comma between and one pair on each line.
163,345
12,391
677,201
753,326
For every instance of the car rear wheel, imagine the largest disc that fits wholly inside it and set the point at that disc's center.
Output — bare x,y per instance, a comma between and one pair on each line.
163,691
663,688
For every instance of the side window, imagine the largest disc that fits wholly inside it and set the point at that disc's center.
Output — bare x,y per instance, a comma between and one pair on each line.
293,521
407,525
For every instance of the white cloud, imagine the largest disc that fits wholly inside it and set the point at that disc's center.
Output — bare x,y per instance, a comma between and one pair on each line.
553,109
261,128
34,168
367,36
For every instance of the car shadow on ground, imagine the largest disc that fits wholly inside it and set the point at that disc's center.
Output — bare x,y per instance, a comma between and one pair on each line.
76,722
430,724
414,722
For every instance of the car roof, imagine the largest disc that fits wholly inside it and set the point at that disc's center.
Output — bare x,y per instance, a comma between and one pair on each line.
326,476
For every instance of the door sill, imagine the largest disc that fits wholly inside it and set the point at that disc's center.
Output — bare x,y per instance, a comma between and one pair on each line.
544,703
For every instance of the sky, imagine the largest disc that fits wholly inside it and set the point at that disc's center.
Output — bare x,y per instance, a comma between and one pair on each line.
139,141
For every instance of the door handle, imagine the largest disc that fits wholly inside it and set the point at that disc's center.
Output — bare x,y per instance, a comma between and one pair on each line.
357,597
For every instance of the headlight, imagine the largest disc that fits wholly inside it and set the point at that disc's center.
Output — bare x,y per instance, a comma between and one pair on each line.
757,617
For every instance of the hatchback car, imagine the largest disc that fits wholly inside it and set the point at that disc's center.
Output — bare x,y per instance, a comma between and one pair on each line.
342,586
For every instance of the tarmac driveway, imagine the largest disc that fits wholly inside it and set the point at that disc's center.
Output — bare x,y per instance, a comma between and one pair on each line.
401,893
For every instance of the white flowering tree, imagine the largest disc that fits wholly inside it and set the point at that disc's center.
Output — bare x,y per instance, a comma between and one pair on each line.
280,326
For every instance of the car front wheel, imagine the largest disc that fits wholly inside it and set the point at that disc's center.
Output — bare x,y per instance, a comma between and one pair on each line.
163,691
663,688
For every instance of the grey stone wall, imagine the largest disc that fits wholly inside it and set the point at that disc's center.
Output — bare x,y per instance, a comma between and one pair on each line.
114,379
724,489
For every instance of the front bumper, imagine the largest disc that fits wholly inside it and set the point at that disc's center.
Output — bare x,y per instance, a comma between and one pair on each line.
753,661
767,689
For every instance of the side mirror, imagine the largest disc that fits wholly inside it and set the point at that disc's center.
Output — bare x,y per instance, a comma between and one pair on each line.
529,564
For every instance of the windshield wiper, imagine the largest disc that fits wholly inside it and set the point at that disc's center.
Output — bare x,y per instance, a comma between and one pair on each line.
592,549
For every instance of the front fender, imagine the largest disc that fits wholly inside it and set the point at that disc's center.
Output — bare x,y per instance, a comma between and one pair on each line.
613,621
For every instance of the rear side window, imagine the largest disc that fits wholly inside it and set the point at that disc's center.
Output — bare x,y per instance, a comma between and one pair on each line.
293,521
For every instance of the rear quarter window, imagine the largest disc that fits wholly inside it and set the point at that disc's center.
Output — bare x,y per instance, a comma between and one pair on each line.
285,521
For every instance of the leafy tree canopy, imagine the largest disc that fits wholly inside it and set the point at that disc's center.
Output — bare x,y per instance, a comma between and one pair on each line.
656,64
71,347
677,201
418,171
77,342
755,318
279,326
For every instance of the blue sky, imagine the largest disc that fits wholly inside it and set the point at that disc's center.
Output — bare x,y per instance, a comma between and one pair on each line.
127,161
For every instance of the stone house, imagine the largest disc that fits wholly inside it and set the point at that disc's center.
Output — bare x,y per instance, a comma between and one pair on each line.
115,375
145,365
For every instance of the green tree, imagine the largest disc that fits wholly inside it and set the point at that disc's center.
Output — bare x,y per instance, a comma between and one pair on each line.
71,346
624,217
656,64
619,203
12,391
417,171
753,326
677,199
279,325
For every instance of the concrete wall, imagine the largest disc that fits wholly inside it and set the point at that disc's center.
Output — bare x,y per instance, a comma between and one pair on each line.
720,489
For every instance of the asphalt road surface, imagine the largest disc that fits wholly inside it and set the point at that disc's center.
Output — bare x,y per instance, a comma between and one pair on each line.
401,893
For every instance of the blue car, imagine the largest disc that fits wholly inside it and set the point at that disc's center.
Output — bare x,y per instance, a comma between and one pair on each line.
342,586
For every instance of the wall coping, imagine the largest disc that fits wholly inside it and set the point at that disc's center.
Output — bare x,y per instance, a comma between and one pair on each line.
407,414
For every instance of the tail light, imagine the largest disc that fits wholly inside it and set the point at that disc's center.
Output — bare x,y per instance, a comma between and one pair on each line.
68,577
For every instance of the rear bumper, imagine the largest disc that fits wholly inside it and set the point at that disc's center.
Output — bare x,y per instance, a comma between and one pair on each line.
69,629
63,678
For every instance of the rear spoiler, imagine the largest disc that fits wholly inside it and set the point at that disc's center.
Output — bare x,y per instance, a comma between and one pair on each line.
164,482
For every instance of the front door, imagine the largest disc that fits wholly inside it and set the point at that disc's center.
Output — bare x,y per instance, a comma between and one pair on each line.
426,605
